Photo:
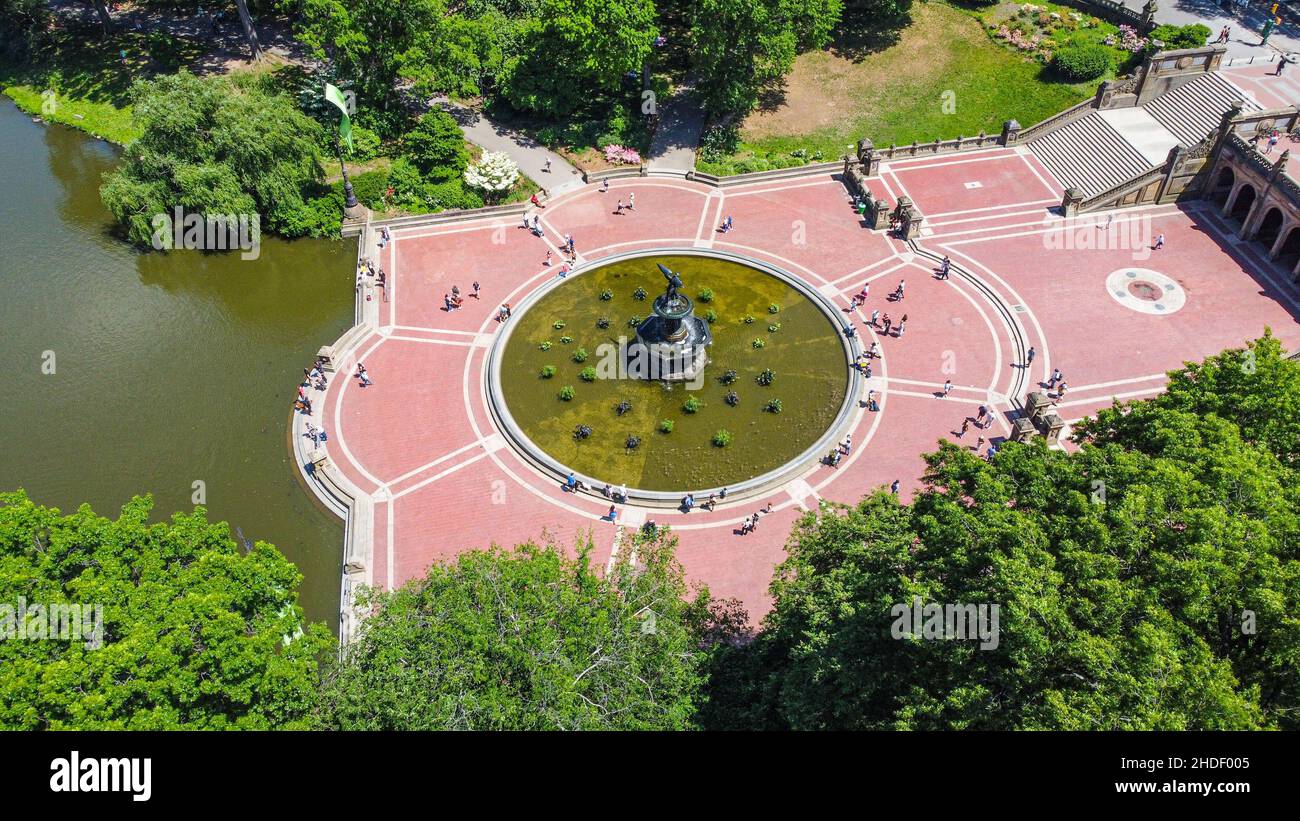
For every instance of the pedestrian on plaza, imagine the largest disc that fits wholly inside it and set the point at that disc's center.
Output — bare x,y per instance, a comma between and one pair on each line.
362,375
571,482
612,515
1223,35
847,444
688,502
619,209
893,487
631,201
1056,377
476,289
753,523
875,349
902,323
1160,241
1029,356
604,185
947,388
1281,64
447,304
875,314
535,201
546,167
898,292
965,426
547,261
944,267
979,444
887,322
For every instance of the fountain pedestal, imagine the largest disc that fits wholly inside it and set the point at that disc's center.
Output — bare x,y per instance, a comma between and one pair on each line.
672,343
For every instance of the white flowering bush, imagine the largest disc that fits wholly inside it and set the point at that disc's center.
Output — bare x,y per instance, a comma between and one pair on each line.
495,173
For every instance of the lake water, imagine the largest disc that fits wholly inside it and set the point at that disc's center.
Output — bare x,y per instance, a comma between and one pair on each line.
170,369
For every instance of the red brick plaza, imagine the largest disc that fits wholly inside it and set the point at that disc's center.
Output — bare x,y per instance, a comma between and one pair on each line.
422,443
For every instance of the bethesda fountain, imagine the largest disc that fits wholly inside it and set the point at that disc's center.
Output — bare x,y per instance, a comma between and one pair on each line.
672,343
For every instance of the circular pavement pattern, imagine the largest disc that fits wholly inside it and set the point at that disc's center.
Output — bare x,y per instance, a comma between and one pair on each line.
1145,291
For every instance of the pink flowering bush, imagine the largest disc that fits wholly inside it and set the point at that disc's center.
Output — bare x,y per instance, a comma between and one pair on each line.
616,153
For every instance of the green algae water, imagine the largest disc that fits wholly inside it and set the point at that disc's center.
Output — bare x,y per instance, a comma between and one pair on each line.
170,369
796,342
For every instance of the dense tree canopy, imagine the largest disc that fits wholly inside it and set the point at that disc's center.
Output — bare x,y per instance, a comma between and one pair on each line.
214,146
529,639
1149,581
197,633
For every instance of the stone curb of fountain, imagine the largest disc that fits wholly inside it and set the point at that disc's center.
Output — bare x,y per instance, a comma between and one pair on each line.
757,486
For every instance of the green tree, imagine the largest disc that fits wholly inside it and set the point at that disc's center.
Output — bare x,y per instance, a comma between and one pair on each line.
213,146
1256,387
437,146
1150,580
739,48
529,639
377,44
197,633
578,48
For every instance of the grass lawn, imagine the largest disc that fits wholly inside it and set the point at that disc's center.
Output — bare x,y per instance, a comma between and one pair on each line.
89,78
944,77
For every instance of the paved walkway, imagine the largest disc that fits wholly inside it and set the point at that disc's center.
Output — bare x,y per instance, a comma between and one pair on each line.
533,158
422,442
1245,21
681,119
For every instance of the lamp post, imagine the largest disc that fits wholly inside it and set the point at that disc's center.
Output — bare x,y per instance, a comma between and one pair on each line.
349,196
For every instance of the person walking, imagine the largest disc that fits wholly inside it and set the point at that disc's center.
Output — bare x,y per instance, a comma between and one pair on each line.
604,185
1223,35
631,201
476,289
1056,377
1160,241
947,388
1029,356
875,315
893,487
1281,64
363,376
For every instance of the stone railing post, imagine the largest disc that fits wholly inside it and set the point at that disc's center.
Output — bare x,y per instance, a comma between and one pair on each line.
1149,16
1010,132
1071,201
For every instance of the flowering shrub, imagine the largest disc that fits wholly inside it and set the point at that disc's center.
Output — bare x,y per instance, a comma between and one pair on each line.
621,154
494,173
1130,40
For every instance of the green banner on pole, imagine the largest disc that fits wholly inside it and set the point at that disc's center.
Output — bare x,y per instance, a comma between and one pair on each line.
335,96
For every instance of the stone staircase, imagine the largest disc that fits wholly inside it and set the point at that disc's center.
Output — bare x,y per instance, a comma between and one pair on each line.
1194,109
1094,156
1089,154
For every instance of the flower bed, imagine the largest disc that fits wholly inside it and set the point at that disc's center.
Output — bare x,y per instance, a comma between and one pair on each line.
1038,30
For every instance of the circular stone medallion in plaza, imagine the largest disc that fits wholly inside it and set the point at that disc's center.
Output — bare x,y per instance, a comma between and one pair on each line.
761,377
1146,291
